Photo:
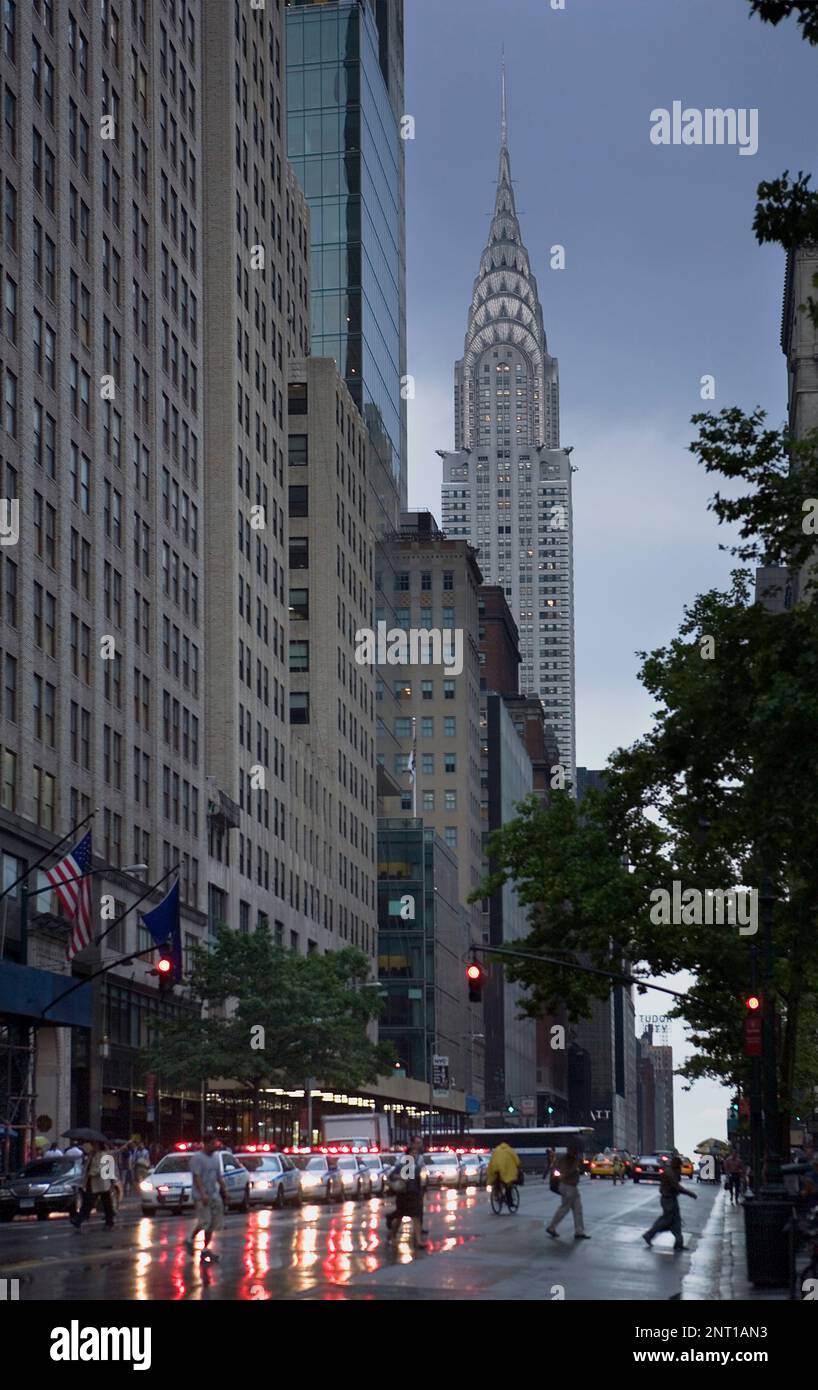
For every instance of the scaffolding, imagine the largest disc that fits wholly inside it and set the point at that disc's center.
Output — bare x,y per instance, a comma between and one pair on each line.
18,1063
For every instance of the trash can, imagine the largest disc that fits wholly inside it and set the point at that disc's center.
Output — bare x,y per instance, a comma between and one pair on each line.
768,1228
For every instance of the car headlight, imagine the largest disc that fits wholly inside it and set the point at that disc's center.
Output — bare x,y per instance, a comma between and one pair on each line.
310,1179
261,1183
146,1186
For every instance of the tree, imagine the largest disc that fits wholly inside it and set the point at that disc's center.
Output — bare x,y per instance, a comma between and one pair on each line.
264,1016
773,11
719,794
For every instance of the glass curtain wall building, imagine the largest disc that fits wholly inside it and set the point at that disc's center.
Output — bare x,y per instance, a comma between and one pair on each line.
344,105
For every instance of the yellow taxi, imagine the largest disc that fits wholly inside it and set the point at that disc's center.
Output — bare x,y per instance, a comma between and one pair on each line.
687,1167
601,1166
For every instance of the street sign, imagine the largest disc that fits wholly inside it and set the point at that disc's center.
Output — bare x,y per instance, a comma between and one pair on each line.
472,1105
753,1025
528,1105
440,1077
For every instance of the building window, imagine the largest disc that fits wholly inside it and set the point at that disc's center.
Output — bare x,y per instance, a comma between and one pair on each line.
428,801
297,451
450,800
448,690
299,707
450,836
427,690
449,726
448,579
299,553
450,762
299,656
299,501
427,762
427,727
299,604
402,581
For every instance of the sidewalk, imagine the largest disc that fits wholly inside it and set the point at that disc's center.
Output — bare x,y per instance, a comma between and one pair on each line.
718,1269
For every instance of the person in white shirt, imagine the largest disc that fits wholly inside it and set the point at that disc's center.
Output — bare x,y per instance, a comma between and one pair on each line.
53,1151
74,1152
210,1195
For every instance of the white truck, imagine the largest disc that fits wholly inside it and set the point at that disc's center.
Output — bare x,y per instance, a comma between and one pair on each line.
367,1130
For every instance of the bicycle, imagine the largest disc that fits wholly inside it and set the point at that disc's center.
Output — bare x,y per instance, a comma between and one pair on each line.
504,1194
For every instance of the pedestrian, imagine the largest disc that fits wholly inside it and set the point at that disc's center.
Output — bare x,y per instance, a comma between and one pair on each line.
210,1195
141,1164
53,1150
406,1175
670,1186
126,1168
98,1181
74,1151
734,1171
570,1172
618,1170
549,1159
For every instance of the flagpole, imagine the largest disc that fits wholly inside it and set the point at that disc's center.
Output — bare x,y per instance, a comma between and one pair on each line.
145,895
123,960
414,768
48,853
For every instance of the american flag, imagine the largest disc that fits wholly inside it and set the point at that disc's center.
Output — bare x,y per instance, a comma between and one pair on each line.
75,897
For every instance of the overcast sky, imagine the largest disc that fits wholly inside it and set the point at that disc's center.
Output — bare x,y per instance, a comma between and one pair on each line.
664,283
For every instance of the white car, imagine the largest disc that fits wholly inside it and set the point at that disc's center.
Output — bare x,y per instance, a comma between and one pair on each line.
472,1170
274,1178
443,1170
377,1172
170,1184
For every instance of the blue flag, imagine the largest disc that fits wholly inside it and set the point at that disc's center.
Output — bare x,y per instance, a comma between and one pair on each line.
163,921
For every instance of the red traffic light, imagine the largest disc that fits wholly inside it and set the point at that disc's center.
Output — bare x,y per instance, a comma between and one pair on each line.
164,965
473,972
753,1002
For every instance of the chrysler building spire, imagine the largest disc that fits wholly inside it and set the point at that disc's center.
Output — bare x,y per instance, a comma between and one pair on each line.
504,116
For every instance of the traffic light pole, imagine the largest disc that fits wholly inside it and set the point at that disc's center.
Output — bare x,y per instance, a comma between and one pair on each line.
772,1123
756,1113
620,976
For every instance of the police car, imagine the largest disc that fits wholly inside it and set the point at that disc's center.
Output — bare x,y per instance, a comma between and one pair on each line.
170,1184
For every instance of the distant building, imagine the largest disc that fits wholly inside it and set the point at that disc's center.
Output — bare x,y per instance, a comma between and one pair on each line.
609,1038
422,942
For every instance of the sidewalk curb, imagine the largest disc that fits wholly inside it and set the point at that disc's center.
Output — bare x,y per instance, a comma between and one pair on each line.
703,1280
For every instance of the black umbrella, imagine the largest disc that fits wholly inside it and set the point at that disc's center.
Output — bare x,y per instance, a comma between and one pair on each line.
90,1134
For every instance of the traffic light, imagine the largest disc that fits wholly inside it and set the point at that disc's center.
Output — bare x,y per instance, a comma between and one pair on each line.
511,1109
475,974
549,1109
164,971
752,1003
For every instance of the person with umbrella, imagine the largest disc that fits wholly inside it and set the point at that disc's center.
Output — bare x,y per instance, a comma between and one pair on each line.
98,1179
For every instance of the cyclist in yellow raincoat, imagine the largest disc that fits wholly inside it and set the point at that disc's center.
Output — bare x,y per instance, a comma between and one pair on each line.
503,1169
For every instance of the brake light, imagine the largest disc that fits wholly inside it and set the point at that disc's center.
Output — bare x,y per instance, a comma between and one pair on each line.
181,1146
638,1168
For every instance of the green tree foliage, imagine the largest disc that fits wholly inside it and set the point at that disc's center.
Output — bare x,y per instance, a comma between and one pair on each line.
310,1012
719,794
773,11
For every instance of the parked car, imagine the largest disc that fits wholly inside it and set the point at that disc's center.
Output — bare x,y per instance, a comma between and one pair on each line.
274,1178
170,1184
377,1172
484,1160
355,1176
444,1170
43,1186
320,1179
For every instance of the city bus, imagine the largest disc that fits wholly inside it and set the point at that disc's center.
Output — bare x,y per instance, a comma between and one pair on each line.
531,1145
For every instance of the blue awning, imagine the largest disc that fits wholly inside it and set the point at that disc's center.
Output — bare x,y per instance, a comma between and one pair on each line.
25,992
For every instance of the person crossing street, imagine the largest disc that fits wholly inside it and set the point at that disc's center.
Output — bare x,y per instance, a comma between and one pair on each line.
210,1194
570,1172
670,1188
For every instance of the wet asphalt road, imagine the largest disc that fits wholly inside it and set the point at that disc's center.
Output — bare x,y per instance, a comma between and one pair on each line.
340,1252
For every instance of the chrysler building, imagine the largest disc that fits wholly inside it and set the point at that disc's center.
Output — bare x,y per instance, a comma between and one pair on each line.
507,485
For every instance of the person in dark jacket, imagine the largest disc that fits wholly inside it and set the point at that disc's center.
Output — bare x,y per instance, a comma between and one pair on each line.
670,1187
409,1200
570,1170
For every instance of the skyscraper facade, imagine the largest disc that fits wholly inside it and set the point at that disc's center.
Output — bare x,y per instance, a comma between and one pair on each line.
507,485
345,102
